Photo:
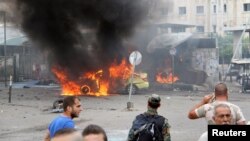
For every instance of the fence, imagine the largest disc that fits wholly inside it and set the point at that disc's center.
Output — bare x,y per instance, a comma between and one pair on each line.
22,67
8,69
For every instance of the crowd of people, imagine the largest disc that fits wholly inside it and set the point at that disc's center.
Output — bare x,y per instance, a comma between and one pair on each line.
147,126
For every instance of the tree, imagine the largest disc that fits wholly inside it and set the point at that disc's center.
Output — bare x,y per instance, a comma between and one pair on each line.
225,44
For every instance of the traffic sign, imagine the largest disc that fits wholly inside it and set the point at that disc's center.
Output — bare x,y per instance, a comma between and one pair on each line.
135,58
172,51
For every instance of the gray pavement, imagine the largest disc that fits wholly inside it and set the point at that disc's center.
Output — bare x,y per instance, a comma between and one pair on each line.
27,117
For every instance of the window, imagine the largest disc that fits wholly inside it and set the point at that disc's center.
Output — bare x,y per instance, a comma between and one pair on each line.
214,8
164,11
214,28
225,8
200,29
177,29
246,6
200,9
182,11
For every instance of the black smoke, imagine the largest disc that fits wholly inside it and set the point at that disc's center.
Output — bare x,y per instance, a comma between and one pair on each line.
57,25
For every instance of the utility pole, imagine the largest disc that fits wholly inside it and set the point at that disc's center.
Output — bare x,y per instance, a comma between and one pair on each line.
5,59
3,13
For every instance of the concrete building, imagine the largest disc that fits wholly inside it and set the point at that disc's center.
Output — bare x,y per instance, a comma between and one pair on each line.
206,18
209,16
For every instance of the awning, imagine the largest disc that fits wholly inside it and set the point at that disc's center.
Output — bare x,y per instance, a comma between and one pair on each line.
16,41
168,41
14,36
241,61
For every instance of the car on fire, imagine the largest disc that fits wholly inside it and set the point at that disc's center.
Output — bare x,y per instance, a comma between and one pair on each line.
140,82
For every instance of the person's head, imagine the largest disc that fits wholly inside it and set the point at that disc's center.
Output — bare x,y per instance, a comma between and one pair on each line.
154,101
72,106
220,92
94,133
222,114
67,134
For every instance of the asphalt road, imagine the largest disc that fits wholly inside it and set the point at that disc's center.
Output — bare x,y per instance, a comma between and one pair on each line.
28,115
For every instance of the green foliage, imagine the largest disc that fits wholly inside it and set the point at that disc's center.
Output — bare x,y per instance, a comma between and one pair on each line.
225,44
246,47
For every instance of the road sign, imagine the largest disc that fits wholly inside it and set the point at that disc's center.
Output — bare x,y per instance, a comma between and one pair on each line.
135,58
172,51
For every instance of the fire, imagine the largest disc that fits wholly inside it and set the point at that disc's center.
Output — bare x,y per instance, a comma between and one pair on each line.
122,71
162,77
68,87
93,83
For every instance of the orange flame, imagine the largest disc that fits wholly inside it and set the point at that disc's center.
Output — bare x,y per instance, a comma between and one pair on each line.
68,87
92,83
123,70
168,79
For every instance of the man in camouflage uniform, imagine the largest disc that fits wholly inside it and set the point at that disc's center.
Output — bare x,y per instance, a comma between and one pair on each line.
205,107
153,105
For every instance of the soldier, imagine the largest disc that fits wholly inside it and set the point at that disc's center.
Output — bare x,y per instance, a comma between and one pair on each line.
144,120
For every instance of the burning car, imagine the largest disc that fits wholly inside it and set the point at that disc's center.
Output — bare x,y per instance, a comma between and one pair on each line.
140,82
115,79
92,84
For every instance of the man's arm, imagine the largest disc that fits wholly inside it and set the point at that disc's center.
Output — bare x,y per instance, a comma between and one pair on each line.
47,136
192,114
240,119
166,131
241,123
131,135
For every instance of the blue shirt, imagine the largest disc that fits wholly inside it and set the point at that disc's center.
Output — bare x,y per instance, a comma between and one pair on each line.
59,123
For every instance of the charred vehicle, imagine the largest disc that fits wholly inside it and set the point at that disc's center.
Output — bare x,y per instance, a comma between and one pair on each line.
140,82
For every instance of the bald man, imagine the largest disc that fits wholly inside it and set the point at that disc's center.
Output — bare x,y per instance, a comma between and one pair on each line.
205,107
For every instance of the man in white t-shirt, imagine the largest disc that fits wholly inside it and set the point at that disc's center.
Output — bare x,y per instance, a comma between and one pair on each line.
205,107
221,116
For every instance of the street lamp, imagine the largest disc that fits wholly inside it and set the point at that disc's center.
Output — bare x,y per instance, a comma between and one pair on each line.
3,13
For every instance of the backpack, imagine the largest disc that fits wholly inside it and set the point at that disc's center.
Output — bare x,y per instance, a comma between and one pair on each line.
148,127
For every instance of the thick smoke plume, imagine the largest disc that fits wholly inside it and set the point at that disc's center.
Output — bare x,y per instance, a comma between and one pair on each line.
57,25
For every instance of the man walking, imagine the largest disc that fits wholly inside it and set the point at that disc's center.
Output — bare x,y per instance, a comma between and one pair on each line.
205,107
72,108
149,126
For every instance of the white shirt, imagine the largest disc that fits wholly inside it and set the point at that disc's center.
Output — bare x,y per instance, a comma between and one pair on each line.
203,137
207,112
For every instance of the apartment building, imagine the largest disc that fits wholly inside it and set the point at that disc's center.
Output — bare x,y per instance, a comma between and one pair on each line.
209,16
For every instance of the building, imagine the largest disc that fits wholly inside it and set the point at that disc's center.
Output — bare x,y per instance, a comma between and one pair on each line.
23,59
204,16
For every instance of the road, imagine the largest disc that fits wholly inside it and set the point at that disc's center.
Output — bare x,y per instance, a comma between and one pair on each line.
28,115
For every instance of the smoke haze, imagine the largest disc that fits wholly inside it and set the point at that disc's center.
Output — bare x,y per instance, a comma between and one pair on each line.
57,26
